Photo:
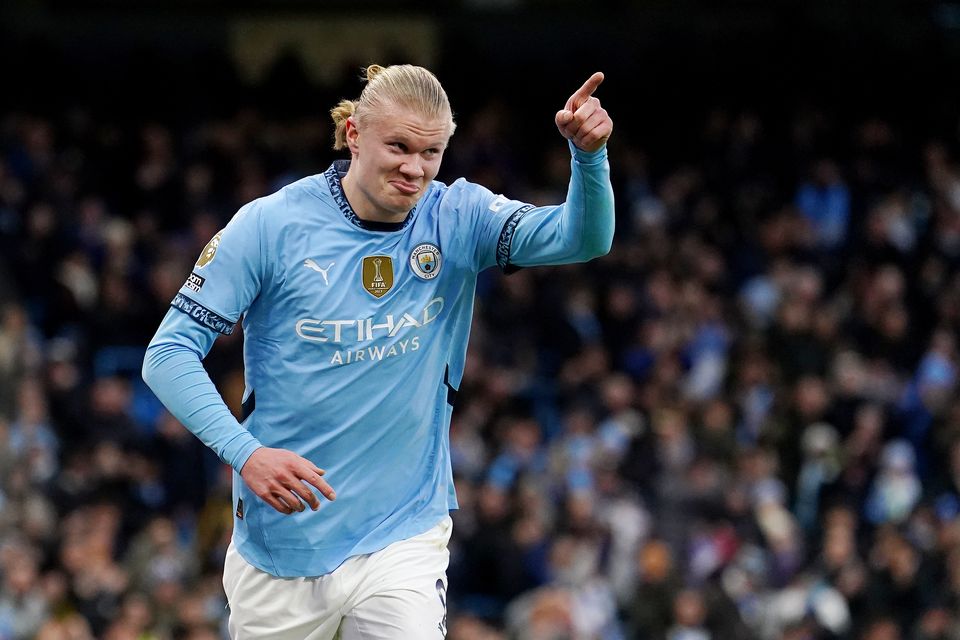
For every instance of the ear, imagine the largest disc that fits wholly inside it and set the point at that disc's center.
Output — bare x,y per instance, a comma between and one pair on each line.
353,135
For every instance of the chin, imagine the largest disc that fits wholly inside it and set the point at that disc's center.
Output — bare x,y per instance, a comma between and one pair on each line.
403,204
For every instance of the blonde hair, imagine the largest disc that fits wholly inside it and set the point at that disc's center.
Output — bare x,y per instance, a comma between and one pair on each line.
403,85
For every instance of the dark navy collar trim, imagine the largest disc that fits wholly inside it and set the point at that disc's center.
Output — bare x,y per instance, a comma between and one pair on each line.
334,175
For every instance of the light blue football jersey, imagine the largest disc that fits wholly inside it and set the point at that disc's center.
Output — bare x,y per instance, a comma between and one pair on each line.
355,336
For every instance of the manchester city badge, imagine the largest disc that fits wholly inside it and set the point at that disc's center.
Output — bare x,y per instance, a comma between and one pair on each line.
425,261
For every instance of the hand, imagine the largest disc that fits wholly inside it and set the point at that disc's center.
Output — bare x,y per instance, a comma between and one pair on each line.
582,120
281,478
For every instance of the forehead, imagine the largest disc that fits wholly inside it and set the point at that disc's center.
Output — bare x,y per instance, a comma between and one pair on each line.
400,121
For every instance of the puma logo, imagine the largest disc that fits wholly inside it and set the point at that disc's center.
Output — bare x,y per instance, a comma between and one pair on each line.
313,265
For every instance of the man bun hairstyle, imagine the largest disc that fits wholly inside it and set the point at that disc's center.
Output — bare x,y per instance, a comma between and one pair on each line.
403,85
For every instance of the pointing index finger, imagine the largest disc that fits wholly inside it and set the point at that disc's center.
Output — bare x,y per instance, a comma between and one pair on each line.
584,92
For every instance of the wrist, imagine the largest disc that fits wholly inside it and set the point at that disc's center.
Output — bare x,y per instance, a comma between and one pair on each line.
588,157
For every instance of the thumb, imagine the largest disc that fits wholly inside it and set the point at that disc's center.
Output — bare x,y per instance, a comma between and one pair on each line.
564,116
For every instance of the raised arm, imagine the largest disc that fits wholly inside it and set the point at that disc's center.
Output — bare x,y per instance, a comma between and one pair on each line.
582,227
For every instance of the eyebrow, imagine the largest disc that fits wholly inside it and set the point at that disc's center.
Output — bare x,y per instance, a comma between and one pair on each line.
406,141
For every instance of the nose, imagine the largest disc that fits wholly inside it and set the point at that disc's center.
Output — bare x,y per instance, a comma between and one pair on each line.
412,166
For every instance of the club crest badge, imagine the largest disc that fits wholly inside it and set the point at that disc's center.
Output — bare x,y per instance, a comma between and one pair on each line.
425,261
377,275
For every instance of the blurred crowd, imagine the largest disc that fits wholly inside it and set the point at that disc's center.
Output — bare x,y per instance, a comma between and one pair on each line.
742,423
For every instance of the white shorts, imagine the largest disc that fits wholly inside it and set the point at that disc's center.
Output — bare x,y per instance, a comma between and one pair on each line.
397,593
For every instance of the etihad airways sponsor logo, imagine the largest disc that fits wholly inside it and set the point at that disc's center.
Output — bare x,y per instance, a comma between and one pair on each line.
376,353
365,329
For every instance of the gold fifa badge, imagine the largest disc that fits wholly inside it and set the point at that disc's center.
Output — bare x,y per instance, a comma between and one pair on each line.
377,275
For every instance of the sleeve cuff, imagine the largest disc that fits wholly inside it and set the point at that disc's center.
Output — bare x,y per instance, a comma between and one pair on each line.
239,451
588,157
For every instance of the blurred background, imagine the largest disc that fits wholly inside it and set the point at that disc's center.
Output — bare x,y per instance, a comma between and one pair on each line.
742,423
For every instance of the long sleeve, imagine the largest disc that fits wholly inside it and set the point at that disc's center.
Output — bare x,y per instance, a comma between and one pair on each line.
173,369
580,229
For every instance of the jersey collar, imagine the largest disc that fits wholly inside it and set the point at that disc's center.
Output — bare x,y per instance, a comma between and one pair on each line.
334,175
